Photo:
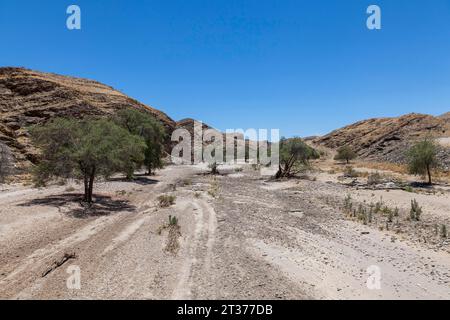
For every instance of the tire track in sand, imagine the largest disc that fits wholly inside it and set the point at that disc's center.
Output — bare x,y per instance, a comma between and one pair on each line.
199,252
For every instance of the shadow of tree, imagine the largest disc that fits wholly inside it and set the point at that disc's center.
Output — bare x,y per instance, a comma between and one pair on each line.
72,204
142,180
423,185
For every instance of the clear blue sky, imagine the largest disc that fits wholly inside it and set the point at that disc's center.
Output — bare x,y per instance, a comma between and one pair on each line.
306,67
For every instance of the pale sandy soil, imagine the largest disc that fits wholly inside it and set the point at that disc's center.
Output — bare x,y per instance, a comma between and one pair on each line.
444,141
242,237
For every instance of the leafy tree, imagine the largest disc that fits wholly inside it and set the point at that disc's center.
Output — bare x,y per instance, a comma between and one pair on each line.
345,153
85,149
144,125
422,158
294,156
5,162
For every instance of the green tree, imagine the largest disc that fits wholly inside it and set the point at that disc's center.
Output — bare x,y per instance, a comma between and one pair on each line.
422,158
295,155
146,126
345,153
85,149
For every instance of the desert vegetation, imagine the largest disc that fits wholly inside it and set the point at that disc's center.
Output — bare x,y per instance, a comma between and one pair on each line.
410,223
346,154
144,125
84,150
295,156
166,200
6,163
422,158
90,148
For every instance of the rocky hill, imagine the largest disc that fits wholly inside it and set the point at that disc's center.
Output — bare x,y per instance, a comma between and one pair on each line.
386,139
29,97
445,116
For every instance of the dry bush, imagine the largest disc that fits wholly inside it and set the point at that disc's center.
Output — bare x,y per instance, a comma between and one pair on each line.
384,166
173,244
349,172
416,211
213,190
374,178
166,201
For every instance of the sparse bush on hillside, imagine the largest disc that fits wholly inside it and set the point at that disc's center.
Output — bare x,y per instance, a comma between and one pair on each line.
85,149
146,126
295,155
422,158
6,165
345,153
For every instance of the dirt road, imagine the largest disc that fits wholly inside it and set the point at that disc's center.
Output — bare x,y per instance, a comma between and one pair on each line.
240,237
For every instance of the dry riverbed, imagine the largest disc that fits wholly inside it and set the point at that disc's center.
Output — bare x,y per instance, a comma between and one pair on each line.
239,236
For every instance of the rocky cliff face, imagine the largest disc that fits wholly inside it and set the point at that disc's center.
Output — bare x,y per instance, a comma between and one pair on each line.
386,139
29,97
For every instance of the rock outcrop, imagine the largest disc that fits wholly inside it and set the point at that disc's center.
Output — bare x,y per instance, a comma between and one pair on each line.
386,139
29,97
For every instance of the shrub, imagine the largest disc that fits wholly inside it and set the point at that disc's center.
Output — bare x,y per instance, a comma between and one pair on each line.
374,178
350,172
378,205
396,212
6,166
213,190
166,200
345,153
416,211
173,221
348,204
